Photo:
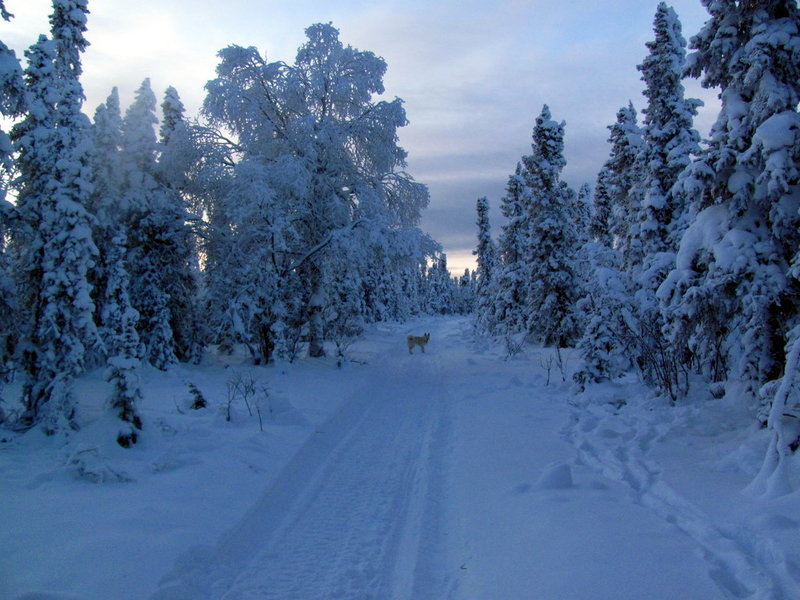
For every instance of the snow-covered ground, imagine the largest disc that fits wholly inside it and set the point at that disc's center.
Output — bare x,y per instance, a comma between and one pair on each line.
458,473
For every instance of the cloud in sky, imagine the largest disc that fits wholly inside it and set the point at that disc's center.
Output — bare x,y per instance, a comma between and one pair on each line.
474,75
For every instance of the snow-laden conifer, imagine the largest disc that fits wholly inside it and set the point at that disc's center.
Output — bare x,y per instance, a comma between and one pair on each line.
606,345
582,213
728,299
600,222
105,202
549,264
177,155
172,111
12,105
509,301
441,299
622,182
56,251
153,227
122,343
669,140
107,163
161,249
669,143
486,271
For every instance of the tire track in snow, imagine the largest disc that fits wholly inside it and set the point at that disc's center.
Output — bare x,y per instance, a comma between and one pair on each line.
353,515
744,564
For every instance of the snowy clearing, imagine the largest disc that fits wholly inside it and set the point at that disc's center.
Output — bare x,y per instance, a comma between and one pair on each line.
456,473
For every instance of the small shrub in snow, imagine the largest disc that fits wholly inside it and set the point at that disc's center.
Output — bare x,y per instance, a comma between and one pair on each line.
563,357
515,344
344,332
198,400
240,387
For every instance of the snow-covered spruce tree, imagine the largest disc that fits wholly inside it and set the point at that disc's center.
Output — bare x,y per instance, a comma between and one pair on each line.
622,182
153,229
55,247
606,346
160,245
611,339
440,287
329,155
550,269
582,216
486,271
507,307
177,156
728,300
582,213
12,105
173,111
782,399
105,203
122,343
600,222
669,143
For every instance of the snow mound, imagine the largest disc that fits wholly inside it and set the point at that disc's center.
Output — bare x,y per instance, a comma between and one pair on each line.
280,411
777,522
87,462
557,476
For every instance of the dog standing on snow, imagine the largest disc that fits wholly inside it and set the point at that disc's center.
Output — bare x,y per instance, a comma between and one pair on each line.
417,340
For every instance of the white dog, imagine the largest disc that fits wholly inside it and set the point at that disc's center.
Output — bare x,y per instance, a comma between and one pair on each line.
417,340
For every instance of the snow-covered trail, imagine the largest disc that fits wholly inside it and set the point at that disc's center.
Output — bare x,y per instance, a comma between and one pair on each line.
356,513
458,475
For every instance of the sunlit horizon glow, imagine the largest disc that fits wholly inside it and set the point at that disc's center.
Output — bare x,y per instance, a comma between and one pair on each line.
473,77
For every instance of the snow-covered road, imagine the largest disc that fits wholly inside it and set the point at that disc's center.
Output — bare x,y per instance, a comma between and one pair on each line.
357,513
455,474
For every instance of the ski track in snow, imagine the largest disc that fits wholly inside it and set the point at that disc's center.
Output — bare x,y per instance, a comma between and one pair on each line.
356,514
743,563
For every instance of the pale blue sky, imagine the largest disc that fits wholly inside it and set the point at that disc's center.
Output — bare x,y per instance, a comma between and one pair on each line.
474,76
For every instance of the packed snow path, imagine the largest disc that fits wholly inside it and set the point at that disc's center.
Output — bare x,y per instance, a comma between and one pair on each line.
357,513
453,474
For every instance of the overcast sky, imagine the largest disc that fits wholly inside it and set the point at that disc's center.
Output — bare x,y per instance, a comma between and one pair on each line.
473,76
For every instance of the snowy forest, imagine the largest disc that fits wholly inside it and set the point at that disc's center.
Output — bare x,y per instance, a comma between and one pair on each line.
683,262
281,224
280,219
